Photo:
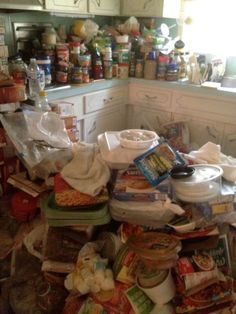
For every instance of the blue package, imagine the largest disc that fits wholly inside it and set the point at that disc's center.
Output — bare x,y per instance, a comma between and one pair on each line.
156,163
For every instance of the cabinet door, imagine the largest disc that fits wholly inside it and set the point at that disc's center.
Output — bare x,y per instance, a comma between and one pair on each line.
98,123
158,8
76,6
142,118
104,7
229,141
202,131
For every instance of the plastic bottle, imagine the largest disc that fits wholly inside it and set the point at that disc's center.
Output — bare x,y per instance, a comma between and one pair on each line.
33,74
41,102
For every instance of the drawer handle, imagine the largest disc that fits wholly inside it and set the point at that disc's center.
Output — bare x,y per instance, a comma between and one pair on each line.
76,1
107,100
98,3
150,97
212,132
232,137
93,128
145,4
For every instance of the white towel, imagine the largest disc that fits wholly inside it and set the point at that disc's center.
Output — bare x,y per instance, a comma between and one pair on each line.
87,172
211,153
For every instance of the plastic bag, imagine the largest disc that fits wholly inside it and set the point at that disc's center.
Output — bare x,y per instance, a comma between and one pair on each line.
49,152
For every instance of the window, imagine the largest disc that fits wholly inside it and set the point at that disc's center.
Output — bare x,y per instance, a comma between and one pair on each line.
208,26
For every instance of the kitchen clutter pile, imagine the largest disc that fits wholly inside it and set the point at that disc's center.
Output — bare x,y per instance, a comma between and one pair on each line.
134,223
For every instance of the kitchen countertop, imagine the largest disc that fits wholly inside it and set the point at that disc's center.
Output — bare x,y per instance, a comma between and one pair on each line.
65,91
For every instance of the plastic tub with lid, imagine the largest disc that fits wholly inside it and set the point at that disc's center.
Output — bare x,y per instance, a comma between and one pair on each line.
198,183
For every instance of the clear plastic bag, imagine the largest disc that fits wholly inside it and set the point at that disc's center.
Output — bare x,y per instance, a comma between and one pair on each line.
40,140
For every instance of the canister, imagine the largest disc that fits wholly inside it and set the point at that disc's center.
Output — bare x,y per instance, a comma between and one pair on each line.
44,63
161,293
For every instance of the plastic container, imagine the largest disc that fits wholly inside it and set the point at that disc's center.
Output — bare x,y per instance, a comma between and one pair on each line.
137,138
202,186
41,103
44,63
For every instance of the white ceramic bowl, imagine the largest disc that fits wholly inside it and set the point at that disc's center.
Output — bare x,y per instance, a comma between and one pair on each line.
184,228
137,138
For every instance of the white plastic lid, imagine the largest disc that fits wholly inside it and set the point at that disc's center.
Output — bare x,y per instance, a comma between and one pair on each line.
202,173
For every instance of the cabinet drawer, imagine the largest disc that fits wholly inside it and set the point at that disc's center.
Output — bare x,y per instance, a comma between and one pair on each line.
70,106
159,98
216,107
105,99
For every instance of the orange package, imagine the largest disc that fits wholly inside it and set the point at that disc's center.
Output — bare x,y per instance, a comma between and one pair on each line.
65,195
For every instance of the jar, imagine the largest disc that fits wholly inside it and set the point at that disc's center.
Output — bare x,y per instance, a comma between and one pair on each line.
162,63
107,54
86,78
49,37
150,66
139,68
114,69
108,70
172,72
98,70
62,52
132,64
77,75
123,71
17,70
74,48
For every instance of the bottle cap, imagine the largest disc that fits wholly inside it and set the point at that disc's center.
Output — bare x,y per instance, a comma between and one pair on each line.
42,93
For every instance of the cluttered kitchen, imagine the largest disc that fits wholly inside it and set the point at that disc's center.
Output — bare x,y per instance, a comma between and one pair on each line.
117,157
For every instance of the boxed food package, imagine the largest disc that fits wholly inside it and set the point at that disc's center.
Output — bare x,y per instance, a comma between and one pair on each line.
131,185
157,162
65,195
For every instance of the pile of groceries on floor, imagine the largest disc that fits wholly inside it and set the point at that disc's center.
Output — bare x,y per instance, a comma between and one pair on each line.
127,225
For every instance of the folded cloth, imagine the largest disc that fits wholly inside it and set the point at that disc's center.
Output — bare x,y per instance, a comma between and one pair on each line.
211,153
87,172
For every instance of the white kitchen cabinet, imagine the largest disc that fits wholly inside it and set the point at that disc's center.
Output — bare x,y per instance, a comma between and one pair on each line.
149,119
151,8
71,106
229,140
201,130
150,96
99,122
104,7
105,99
73,6
22,5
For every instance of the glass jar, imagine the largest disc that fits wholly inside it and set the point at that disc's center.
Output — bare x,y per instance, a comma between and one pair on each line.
77,75
172,72
139,68
86,78
150,66
17,69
